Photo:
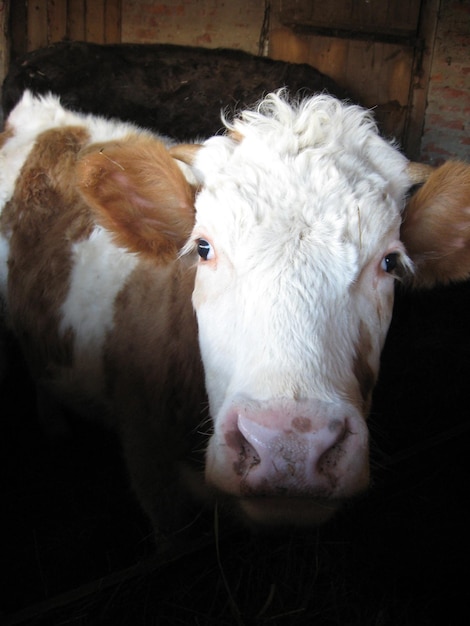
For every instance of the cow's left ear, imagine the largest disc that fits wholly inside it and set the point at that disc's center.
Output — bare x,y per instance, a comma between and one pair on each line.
436,226
139,193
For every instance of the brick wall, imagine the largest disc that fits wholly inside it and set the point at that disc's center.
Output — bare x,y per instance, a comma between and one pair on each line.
447,121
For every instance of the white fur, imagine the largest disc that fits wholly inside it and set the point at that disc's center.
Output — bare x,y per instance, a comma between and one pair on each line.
300,214
100,270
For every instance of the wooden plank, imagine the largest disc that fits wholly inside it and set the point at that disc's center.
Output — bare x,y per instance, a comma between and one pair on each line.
36,24
112,21
328,54
4,43
18,29
76,20
392,78
94,20
364,68
386,16
57,20
404,15
381,74
420,79
376,74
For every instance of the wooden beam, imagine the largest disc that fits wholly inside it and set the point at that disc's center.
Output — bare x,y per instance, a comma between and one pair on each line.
57,20
420,78
112,21
36,24
4,41
94,20
17,27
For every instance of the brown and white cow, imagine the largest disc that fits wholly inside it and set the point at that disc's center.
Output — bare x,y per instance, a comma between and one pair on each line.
291,256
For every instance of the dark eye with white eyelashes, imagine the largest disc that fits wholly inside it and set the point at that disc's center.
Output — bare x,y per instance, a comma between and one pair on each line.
390,262
204,249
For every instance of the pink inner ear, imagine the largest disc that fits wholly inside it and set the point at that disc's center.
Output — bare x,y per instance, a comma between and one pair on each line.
128,188
140,195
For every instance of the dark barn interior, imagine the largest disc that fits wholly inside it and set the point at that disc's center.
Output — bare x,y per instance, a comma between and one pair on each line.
75,547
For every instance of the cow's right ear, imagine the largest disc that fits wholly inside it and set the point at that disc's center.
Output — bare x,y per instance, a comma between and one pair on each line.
139,194
436,226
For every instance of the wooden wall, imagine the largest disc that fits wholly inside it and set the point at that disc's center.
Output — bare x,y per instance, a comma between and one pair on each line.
380,51
4,38
210,23
36,23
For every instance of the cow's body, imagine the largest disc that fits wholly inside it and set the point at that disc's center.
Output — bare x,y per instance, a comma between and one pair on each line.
297,229
168,88
77,301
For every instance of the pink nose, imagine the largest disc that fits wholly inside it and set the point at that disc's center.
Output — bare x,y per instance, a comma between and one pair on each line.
296,461
288,448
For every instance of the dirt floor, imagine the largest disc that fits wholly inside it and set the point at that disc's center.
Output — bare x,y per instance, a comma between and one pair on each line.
76,550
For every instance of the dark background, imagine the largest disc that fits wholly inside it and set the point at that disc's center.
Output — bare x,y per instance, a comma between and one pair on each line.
398,556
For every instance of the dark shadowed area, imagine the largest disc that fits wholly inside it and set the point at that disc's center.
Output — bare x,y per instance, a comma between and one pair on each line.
77,550
176,90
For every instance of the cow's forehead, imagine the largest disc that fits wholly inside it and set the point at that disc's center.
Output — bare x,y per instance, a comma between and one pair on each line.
320,127
325,200
319,166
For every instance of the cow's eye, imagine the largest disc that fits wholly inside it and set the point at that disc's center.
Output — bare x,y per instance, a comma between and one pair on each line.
204,249
390,262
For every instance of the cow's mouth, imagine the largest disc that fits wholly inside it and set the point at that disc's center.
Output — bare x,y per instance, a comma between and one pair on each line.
288,511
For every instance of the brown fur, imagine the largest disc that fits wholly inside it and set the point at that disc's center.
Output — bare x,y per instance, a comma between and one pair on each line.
154,382
46,216
132,178
6,135
155,379
185,152
436,226
363,372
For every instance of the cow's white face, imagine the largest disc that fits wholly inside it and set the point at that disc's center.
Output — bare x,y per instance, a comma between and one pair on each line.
298,238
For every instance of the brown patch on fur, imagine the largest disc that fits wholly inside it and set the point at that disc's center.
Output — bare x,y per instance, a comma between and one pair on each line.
155,379
419,172
45,216
236,136
185,152
139,194
363,372
436,226
6,135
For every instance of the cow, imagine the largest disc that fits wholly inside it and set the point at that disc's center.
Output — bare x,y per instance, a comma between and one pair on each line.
159,86
223,305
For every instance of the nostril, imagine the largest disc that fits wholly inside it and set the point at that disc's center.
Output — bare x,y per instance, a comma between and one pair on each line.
257,435
246,454
337,426
267,458
332,455
255,443
295,449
